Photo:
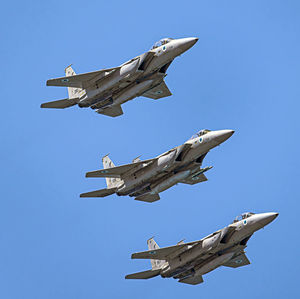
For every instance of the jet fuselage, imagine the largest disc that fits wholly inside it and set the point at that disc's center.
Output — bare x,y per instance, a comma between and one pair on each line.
134,76
169,169
216,249
187,262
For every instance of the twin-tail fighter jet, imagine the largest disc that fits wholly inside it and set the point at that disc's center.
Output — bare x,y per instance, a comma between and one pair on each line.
187,262
145,179
106,90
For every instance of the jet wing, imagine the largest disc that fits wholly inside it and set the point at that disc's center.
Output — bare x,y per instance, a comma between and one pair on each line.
238,261
143,275
148,197
81,80
196,279
158,92
191,180
111,111
116,172
61,104
163,253
99,193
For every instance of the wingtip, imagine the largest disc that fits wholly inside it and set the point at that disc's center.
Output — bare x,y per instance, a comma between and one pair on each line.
84,195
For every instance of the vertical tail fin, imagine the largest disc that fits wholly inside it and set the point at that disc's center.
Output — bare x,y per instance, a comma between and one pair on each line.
110,182
156,264
72,91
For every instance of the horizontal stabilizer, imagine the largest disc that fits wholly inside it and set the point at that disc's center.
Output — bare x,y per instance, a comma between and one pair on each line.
143,275
99,193
192,280
192,180
81,80
148,197
112,111
158,92
115,172
60,104
238,261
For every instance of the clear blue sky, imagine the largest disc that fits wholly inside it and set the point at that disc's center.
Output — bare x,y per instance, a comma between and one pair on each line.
243,74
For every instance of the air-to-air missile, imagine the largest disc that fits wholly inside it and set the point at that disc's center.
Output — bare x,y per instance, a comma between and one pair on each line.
106,90
145,179
187,262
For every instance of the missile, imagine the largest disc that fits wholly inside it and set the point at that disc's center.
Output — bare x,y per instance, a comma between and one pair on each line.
202,171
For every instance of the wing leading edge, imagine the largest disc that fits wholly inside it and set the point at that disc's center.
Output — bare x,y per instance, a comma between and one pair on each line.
238,261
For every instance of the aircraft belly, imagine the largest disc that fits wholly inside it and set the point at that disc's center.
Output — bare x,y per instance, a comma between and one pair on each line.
151,172
122,92
195,256
136,185
132,92
110,81
214,263
169,181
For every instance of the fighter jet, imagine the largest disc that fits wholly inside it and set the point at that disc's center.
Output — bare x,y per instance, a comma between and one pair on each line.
187,262
106,90
145,179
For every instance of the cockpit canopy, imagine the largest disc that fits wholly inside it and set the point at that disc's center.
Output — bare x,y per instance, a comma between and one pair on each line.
200,133
161,42
243,216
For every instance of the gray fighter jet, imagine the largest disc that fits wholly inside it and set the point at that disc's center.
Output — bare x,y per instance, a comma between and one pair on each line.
106,90
189,261
145,179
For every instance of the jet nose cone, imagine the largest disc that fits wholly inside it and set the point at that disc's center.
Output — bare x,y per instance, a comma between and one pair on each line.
187,43
223,135
267,218
272,216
